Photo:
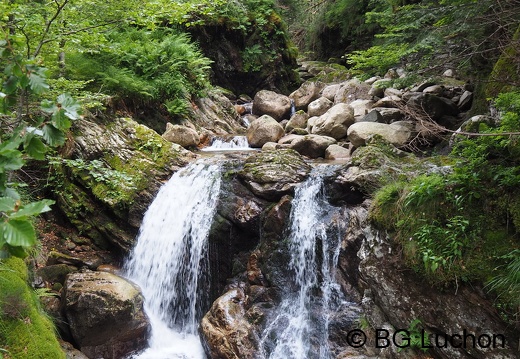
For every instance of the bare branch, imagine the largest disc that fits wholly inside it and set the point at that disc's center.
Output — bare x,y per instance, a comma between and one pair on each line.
59,8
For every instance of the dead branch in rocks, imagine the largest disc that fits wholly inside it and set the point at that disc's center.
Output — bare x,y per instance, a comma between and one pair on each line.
427,130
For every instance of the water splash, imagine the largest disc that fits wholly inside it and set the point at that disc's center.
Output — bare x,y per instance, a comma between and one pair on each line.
170,263
300,327
236,143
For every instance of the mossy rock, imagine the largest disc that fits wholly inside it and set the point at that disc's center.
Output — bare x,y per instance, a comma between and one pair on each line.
505,76
25,331
272,174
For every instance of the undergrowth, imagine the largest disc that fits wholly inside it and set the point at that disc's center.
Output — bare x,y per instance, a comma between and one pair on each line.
464,226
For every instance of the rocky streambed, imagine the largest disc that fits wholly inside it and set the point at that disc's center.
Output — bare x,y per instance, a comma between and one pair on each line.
360,126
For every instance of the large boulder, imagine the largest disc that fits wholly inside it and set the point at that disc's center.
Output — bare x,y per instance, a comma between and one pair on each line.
298,120
272,174
181,135
335,122
312,146
330,91
319,106
352,90
262,130
308,92
273,104
336,152
227,329
361,108
105,314
434,106
396,134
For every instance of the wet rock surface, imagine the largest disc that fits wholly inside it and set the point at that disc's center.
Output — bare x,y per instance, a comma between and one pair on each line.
105,314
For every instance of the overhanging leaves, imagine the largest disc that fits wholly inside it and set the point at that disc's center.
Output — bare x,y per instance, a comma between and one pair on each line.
18,233
32,209
35,147
53,136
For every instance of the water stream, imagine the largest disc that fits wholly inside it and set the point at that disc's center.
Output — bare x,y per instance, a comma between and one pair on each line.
300,328
170,264
235,143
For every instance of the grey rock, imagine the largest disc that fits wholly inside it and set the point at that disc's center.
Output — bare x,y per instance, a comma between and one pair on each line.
105,314
262,130
319,106
181,135
335,122
273,104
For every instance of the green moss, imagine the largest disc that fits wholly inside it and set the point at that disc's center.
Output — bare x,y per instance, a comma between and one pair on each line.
505,76
25,331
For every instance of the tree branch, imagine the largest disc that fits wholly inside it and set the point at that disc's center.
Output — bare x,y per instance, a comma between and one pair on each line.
59,8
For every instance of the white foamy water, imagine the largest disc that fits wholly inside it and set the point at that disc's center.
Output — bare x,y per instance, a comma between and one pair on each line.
300,327
169,261
236,143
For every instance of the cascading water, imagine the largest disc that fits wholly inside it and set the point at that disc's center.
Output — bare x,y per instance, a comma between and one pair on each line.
236,143
169,261
300,327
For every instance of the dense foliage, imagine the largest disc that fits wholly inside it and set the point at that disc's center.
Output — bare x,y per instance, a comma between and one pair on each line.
464,225
25,137
377,34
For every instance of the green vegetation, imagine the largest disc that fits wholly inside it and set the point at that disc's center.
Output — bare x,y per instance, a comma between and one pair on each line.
25,137
25,331
161,66
464,225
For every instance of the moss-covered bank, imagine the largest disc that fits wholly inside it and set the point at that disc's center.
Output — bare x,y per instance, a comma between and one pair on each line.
25,331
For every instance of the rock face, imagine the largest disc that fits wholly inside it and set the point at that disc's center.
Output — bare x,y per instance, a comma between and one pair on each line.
262,130
395,297
105,314
224,44
181,135
272,174
335,122
111,176
273,104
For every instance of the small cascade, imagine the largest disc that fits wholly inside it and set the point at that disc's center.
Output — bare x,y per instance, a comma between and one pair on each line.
236,143
300,327
170,262
293,108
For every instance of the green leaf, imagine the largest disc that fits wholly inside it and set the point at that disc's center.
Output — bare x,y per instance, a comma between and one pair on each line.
37,83
11,193
7,204
35,147
48,106
17,251
11,85
60,120
53,136
18,232
32,209
71,106
11,161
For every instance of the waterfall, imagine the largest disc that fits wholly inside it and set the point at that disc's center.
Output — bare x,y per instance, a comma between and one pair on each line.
169,261
300,327
236,143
